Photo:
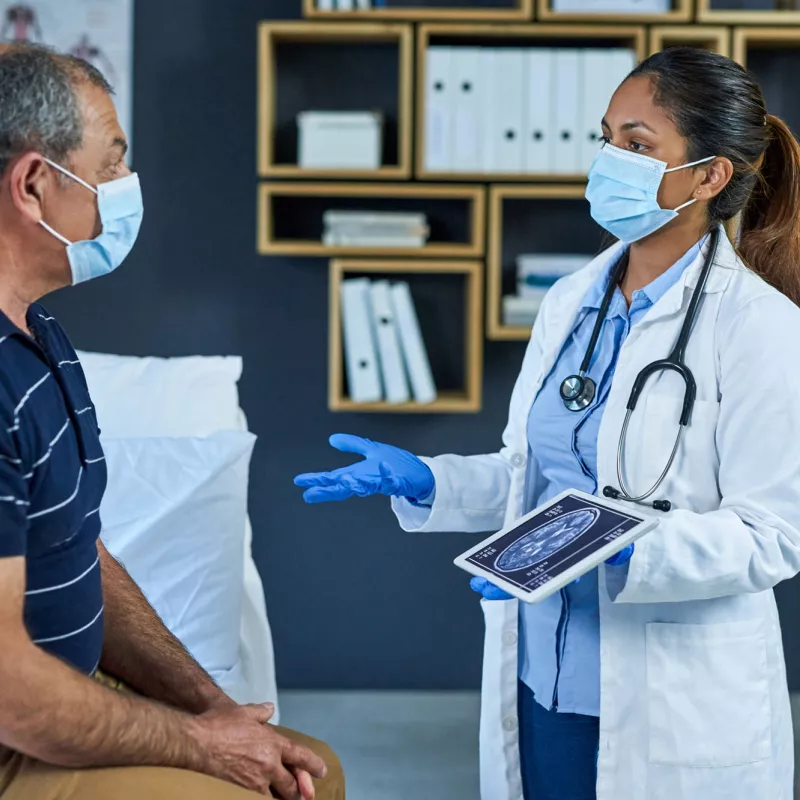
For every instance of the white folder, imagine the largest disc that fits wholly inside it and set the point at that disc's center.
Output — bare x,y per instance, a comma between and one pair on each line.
595,64
391,357
325,5
504,113
468,83
567,103
538,130
361,359
438,109
412,344
344,5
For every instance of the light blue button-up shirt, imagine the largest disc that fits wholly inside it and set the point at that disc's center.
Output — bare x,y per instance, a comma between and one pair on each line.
560,637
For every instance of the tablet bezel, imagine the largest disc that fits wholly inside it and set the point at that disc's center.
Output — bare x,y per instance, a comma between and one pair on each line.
647,523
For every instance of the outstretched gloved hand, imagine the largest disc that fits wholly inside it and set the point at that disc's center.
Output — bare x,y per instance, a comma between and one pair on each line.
385,470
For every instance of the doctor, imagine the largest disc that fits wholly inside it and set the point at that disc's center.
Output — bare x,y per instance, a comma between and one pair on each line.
660,676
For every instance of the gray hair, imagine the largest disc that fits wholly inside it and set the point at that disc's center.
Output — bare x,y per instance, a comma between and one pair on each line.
39,107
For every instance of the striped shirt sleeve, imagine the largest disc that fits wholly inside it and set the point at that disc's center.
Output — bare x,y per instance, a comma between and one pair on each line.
14,500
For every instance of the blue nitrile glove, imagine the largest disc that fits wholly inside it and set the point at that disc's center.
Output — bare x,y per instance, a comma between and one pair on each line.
488,590
623,557
385,470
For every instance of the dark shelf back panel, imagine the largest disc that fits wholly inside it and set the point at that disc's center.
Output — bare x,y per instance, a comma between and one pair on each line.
528,41
440,302
748,5
777,71
538,225
335,76
299,217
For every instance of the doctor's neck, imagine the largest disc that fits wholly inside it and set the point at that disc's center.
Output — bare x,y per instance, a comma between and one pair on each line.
655,254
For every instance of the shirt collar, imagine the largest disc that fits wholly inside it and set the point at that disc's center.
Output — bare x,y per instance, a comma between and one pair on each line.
648,295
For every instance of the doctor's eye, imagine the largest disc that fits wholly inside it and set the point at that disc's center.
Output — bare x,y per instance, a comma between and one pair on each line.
637,147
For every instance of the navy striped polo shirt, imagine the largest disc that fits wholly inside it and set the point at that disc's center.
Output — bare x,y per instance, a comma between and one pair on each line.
52,479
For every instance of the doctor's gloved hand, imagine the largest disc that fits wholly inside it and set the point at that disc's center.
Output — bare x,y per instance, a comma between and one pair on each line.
384,470
488,590
623,557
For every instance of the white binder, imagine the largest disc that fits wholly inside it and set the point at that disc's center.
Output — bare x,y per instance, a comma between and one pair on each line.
504,113
468,83
620,62
595,64
390,355
412,345
567,103
438,109
344,5
538,130
359,346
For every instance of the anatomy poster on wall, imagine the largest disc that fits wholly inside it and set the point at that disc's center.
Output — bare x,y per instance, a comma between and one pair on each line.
99,31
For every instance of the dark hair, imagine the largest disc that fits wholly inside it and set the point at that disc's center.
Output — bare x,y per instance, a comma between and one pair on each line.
717,106
39,107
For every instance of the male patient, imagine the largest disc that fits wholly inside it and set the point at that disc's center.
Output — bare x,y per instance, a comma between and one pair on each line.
70,210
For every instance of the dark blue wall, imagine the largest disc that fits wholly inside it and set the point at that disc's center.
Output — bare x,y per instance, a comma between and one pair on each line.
354,602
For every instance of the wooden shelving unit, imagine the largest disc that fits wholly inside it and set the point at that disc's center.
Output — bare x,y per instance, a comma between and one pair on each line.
498,195
705,13
521,10
467,400
273,34
714,38
623,35
763,39
472,197
680,12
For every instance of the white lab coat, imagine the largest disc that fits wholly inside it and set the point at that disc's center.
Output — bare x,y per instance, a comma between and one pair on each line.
694,702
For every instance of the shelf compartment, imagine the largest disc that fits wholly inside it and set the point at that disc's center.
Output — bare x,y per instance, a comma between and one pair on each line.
773,56
451,327
290,217
681,11
736,12
420,11
717,39
532,219
519,36
306,66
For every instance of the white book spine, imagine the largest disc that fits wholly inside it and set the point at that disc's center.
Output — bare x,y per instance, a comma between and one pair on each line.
438,109
359,345
391,357
412,344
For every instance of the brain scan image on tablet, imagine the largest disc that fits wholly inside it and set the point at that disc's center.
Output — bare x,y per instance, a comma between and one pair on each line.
544,541
555,539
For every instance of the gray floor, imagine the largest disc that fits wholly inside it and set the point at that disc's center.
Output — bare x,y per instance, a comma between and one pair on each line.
398,745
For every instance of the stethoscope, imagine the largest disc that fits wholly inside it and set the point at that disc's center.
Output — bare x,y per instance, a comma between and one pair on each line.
578,391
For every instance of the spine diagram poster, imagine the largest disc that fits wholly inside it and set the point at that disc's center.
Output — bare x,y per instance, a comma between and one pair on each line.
99,31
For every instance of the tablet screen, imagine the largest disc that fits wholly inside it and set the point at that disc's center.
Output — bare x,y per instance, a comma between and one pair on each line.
551,542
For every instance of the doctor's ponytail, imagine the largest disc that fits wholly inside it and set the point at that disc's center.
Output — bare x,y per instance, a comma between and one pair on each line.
769,231
717,106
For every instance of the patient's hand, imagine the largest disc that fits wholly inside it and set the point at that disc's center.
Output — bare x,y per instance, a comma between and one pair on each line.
241,748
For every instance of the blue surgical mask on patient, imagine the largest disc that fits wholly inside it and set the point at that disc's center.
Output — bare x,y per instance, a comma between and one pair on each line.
623,193
121,209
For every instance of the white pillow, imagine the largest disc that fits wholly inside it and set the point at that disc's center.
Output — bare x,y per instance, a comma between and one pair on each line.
174,515
187,396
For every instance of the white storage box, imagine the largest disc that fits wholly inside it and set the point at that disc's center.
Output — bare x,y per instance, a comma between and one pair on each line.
340,140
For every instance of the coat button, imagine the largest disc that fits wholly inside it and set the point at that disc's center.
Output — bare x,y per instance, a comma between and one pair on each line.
510,724
509,638
518,460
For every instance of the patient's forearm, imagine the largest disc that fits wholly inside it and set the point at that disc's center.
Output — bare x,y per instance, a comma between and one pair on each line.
140,650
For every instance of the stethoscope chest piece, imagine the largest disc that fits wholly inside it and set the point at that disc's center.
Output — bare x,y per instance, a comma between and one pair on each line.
577,392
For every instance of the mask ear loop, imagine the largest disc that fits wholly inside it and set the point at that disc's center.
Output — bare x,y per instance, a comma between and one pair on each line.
686,166
55,233
75,177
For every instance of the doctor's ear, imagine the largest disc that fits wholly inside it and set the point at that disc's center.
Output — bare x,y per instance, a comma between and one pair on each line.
27,180
717,176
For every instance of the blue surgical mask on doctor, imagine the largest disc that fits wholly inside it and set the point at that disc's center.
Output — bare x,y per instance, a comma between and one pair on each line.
623,192
120,205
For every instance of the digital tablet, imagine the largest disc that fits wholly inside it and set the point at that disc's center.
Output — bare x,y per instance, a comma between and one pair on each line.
554,544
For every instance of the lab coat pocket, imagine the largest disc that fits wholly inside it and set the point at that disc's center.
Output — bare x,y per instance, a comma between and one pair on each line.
708,694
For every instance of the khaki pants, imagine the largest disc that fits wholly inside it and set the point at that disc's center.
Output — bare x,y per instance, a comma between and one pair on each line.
23,778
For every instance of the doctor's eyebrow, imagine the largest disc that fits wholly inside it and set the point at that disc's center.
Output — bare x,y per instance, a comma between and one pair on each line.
629,126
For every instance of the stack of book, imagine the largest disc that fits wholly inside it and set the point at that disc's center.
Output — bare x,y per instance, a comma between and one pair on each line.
374,229
385,354
535,275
